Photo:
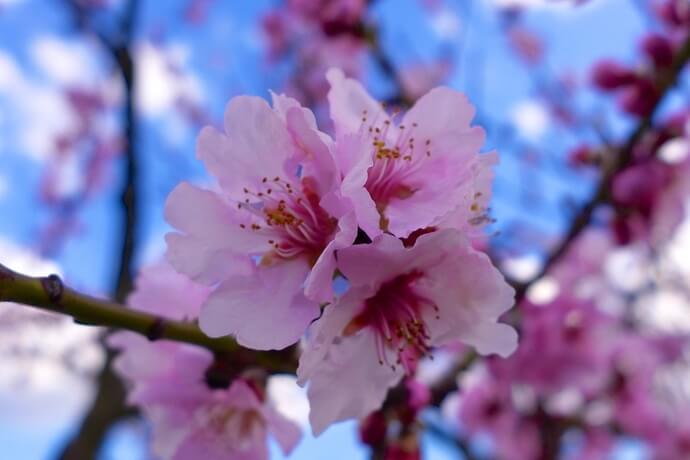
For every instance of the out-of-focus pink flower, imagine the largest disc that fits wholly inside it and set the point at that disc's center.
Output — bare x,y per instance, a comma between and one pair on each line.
608,74
417,173
315,57
401,301
330,12
651,199
574,343
487,407
640,98
167,381
676,13
637,407
373,429
403,451
419,79
659,49
582,155
275,172
528,46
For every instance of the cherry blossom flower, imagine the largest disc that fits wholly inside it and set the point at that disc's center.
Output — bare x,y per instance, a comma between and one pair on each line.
415,173
402,302
487,407
167,381
265,237
574,342
650,196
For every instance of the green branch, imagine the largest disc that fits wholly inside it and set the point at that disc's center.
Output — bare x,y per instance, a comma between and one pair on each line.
49,293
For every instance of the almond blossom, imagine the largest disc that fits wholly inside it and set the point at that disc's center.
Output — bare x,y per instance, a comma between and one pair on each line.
266,237
417,173
651,196
190,419
402,302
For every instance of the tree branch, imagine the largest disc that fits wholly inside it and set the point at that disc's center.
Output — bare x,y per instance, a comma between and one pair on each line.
621,159
49,293
109,402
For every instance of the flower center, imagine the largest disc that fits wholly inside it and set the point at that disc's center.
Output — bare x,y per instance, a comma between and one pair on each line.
234,426
396,158
291,219
395,314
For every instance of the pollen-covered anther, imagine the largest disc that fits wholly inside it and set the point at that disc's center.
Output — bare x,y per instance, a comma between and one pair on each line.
396,316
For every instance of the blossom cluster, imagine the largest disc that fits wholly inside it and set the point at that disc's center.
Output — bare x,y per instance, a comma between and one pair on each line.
584,367
313,36
361,246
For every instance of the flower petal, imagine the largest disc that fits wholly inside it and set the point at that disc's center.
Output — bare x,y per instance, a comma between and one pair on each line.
349,383
265,310
349,101
256,144
212,242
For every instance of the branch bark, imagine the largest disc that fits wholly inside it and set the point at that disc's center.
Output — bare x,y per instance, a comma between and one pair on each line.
109,402
49,293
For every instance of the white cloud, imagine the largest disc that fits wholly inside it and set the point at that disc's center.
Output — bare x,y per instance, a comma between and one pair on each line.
64,61
9,71
675,151
43,114
41,353
163,78
290,399
37,112
531,119
445,23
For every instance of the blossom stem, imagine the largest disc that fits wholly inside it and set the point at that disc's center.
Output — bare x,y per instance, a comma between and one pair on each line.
49,293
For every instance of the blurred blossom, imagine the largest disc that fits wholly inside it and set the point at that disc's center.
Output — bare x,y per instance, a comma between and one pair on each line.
418,79
171,382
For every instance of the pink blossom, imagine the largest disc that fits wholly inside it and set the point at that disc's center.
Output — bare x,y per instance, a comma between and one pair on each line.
416,173
275,173
167,381
419,78
401,303
650,196
574,343
527,44
659,49
488,408
676,13
609,75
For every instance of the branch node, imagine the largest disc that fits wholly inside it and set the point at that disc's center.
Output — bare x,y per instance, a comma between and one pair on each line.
155,331
54,288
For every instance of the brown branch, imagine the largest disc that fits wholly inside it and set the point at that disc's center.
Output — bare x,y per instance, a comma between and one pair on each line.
109,402
460,444
50,294
618,161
